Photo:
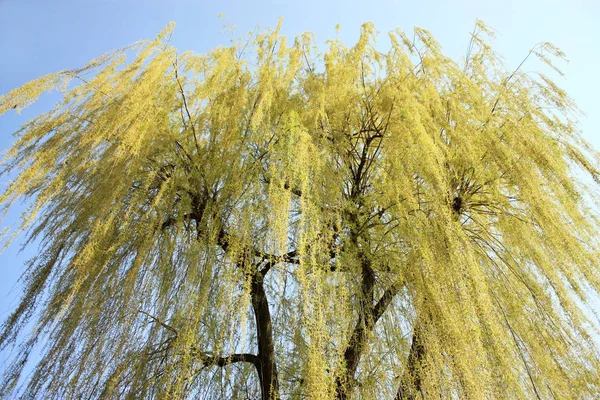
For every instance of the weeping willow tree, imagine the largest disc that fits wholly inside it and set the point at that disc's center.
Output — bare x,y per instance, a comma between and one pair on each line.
266,221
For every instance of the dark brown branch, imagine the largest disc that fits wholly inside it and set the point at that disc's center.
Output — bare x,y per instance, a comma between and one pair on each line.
289,257
231,359
358,340
384,302
267,365
410,383
267,260
172,220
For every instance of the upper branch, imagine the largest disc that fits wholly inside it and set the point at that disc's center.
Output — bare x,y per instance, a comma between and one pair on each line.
185,104
161,323
289,257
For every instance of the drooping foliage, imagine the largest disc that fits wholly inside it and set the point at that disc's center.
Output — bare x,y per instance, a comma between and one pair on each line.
264,221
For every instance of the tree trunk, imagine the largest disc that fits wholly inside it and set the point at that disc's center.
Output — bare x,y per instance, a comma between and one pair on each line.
267,367
363,328
410,383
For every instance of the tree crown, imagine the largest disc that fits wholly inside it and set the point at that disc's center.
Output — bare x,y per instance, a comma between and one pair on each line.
267,219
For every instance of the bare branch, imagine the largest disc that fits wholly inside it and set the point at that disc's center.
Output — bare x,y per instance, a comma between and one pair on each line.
231,359
157,320
185,104
291,256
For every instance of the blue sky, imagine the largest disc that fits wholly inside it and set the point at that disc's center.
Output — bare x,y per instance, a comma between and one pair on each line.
43,36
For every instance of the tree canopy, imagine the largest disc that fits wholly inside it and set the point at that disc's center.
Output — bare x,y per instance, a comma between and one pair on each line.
268,221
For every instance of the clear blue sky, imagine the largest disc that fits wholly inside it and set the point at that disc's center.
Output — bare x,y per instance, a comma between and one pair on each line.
43,36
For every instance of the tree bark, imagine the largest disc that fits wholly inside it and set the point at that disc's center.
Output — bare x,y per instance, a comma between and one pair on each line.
363,327
369,314
266,366
410,383
265,362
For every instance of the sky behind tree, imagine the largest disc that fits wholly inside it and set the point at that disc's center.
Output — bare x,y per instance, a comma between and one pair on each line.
40,37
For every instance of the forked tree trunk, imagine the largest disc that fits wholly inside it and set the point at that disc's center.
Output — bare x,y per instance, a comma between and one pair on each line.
359,337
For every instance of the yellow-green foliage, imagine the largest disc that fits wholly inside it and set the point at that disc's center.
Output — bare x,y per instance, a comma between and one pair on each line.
420,212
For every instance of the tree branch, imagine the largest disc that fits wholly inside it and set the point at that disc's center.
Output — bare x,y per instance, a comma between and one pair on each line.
231,359
161,323
286,186
224,242
410,383
358,339
384,302
290,256
175,66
